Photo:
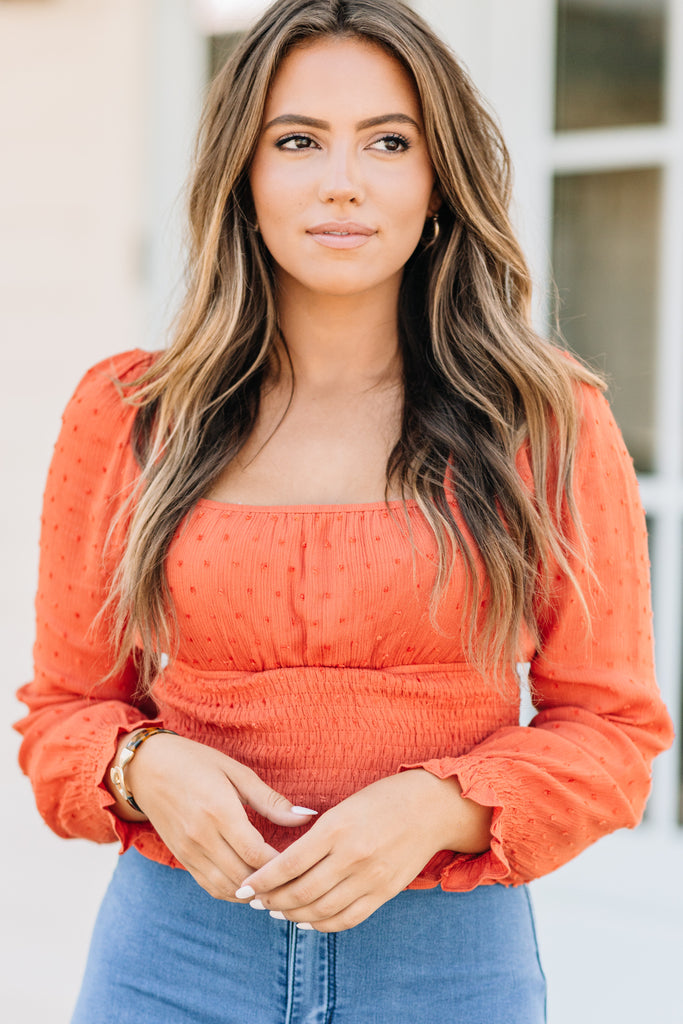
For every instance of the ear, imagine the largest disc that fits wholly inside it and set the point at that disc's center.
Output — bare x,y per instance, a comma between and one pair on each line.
435,202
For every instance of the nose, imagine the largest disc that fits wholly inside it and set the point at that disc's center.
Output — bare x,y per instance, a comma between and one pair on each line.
341,178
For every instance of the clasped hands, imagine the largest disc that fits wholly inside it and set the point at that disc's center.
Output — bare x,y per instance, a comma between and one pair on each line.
354,858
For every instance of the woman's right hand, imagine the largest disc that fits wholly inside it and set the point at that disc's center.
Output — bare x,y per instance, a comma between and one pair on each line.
194,796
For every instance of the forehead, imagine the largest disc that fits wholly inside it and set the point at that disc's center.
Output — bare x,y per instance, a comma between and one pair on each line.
354,74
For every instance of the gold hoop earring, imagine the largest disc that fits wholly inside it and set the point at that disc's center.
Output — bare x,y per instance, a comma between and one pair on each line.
437,227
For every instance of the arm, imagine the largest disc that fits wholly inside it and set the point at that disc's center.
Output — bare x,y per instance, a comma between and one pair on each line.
76,713
79,715
582,768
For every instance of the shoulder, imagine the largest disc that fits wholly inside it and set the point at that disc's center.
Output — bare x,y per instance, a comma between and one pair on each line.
604,476
585,429
599,436
100,388
97,421
99,408
122,366
595,421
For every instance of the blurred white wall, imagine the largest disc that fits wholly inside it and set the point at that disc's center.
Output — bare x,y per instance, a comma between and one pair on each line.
79,280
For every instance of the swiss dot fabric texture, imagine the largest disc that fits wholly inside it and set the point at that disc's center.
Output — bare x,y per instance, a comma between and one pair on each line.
307,652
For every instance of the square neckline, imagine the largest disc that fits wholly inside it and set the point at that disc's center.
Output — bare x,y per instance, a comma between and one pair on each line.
308,508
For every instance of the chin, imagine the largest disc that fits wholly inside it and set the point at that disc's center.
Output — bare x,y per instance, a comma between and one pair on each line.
345,279
339,289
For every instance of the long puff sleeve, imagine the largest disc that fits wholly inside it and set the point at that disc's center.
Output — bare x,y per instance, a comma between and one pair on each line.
76,712
582,767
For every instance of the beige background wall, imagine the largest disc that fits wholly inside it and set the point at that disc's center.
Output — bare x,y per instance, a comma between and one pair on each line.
72,183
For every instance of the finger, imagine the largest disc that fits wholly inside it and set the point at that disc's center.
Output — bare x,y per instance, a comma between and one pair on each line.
292,899
209,854
266,801
300,857
306,890
349,917
233,832
218,879
219,870
246,842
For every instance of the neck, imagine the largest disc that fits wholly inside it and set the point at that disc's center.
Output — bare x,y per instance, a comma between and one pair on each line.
339,342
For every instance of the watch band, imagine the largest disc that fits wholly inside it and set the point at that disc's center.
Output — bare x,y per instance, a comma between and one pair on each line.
117,773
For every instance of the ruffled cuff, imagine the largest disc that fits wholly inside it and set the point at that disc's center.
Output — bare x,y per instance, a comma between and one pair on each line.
128,833
462,872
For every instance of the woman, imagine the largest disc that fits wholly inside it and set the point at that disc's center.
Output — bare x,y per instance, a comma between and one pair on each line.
323,529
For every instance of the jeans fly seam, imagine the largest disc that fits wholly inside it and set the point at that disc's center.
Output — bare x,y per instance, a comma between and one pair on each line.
331,976
291,965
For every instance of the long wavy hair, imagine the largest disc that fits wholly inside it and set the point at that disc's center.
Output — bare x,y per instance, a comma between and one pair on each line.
480,385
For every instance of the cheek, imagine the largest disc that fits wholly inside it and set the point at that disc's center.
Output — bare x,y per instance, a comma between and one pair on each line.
407,208
278,199
406,197
272,175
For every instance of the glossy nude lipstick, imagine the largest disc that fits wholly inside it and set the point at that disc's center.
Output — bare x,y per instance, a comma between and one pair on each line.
341,234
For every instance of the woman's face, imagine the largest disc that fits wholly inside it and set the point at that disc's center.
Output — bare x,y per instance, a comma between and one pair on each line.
341,179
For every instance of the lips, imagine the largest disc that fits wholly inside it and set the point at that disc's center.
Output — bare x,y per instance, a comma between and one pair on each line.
341,229
338,234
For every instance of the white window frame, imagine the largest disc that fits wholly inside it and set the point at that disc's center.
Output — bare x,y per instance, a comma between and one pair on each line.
510,50
660,146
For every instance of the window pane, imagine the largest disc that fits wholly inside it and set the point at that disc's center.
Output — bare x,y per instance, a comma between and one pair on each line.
606,240
610,62
220,48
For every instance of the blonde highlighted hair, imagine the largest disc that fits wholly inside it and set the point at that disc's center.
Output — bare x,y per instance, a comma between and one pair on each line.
480,385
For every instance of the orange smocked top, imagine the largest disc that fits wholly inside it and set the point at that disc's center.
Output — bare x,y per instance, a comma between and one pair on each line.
306,651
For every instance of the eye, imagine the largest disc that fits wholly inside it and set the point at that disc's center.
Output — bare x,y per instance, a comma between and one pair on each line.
393,143
292,143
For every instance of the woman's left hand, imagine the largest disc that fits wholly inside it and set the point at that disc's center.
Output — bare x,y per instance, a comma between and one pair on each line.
368,848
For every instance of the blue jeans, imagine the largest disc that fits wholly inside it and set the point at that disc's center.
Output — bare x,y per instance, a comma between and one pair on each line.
165,952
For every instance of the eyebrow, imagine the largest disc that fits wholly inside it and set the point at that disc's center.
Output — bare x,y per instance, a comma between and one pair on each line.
370,122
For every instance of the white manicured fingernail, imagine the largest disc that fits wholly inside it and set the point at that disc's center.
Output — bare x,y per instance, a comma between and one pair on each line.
245,893
257,905
278,915
303,810
304,926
